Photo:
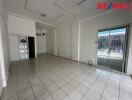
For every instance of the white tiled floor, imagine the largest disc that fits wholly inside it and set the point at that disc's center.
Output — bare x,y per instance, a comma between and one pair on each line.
53,78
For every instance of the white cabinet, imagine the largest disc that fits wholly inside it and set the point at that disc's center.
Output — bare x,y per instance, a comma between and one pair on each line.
23,47
18,48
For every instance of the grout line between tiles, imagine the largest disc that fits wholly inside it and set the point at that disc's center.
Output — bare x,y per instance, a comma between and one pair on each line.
68,83
78,84
60,68
17,82
105,87
30,84
45,86
91,86
119,88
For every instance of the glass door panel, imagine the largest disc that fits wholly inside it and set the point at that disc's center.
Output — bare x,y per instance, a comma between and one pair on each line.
103,47
111,48
117,48
103,43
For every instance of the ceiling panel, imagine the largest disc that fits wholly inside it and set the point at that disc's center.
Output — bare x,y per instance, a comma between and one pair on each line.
44,6
75,9
69,6
65,17
17,4
86,5
56,10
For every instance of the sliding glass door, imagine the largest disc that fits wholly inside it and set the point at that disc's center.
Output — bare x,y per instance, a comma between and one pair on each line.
112,48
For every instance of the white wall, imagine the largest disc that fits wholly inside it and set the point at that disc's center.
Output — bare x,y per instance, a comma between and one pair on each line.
1,61
4,41
41,41
50,39
14,47
19,26
67,35
46,44
89,29
75,40
64,39
80,36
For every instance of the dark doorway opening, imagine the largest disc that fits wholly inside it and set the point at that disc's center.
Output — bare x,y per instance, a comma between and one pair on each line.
31,44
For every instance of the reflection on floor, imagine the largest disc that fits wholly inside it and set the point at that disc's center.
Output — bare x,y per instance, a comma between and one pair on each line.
110,63
53,78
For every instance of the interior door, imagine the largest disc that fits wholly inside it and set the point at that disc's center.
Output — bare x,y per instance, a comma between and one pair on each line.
112,48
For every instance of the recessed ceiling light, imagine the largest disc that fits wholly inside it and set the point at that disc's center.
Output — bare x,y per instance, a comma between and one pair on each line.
43,15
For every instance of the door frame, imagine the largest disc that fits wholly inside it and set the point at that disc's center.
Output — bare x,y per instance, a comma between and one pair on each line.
127,39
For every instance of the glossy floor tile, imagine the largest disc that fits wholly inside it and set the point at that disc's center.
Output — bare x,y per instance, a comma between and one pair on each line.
54,78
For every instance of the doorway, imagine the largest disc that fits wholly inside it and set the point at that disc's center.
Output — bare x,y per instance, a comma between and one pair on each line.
112,47
31,44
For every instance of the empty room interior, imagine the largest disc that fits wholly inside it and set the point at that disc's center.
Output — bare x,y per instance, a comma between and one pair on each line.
65,49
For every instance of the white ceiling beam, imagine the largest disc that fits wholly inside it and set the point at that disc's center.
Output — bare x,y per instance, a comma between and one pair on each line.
59,6
95,16
81,2
59,16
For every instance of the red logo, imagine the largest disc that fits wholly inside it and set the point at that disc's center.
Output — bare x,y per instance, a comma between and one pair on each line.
111,6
